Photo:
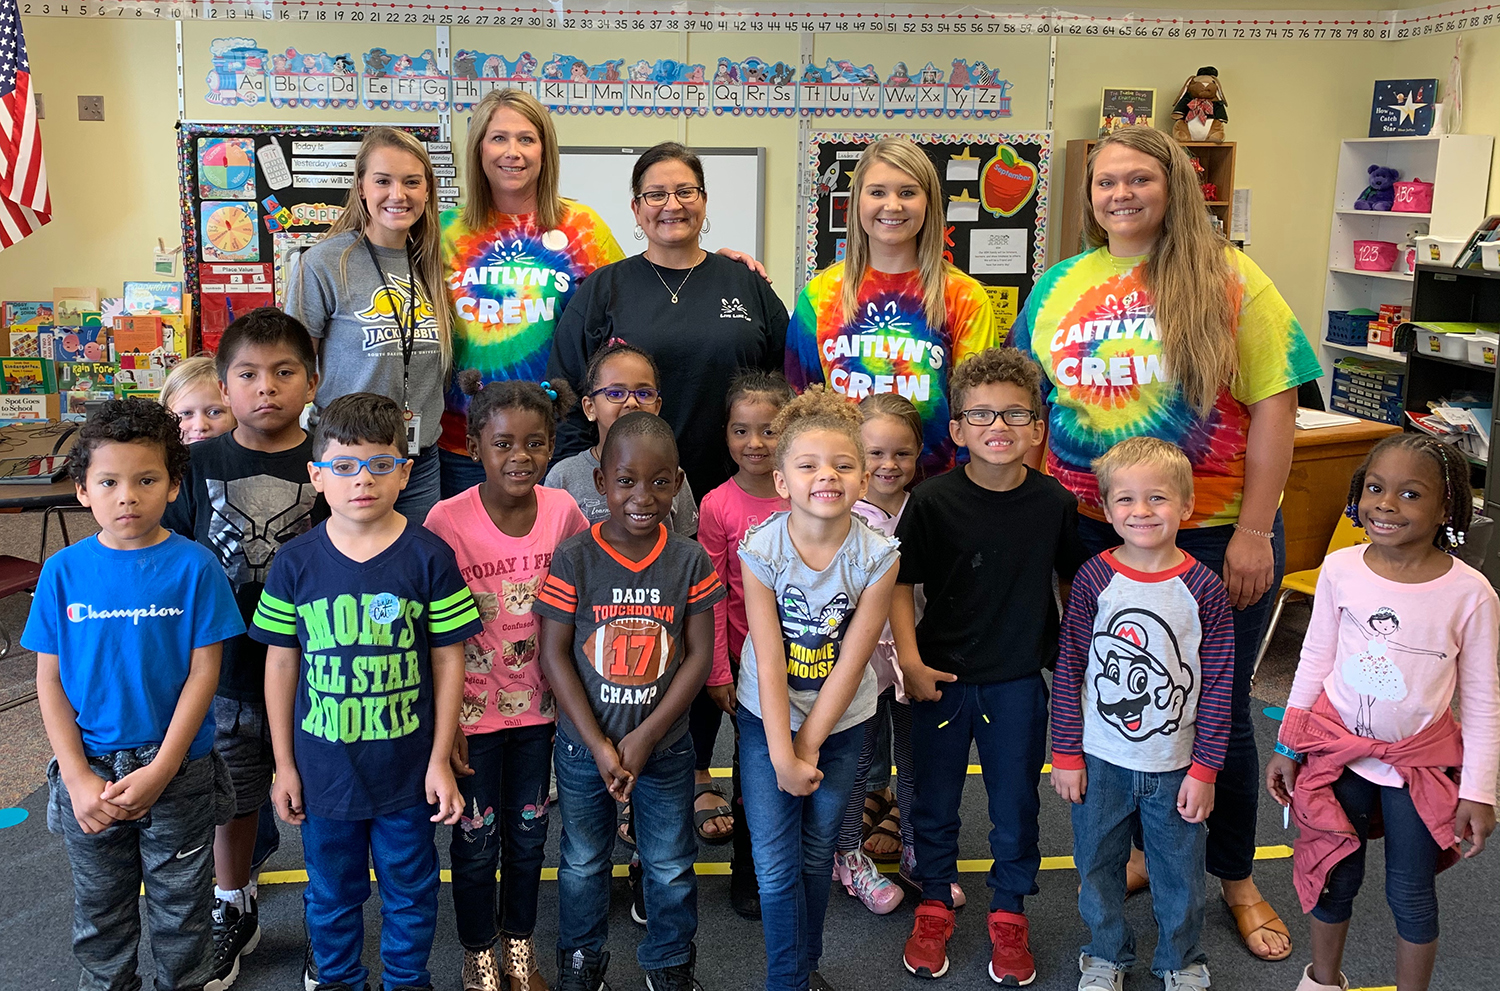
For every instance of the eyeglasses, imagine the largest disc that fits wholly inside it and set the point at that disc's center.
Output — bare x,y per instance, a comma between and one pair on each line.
380,464
685,195
985,417
645,397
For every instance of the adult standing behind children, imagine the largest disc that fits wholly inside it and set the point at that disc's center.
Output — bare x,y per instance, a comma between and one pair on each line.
703,317
371,296
1161,329
893,316
245,494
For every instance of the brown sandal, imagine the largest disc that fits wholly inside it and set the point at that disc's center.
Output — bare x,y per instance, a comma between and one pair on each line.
1250,919
874,814
890,828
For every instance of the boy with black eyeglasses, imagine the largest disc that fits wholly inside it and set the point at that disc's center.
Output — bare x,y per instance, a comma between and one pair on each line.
364,617
985,539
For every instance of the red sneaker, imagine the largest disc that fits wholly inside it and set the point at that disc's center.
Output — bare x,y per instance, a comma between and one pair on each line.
926,953
1011,962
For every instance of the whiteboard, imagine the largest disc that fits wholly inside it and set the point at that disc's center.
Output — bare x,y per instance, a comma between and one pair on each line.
736,179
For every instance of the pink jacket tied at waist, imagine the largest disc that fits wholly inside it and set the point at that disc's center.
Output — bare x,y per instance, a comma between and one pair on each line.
1427,762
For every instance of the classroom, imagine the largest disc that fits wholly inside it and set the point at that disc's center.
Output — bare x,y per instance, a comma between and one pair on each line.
353,265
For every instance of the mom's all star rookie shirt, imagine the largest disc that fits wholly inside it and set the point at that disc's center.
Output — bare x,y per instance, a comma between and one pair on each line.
363,719
509,284
1091,324
889,346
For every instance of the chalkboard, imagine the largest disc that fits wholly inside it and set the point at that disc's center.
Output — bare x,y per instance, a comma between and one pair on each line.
736,180
995,203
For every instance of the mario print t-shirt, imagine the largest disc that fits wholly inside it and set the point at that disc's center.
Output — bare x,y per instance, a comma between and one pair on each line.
1091,324
889,346
509,284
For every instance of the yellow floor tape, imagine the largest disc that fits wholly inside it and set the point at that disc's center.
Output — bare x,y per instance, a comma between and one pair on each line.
724,772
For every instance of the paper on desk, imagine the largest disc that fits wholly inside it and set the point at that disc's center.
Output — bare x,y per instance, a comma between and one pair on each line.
1312,419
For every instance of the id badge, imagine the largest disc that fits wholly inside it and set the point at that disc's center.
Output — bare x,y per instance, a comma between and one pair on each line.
413,431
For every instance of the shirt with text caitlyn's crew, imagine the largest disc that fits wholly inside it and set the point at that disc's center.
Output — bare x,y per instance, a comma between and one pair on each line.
627,618
364,711
509,285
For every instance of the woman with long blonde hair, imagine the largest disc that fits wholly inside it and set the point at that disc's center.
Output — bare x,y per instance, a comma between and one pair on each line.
893,285
1161,328
371,295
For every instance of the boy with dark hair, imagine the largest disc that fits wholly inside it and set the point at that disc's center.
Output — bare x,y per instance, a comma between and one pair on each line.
1140,716
626,643
365,617
246,494
985,539
127,627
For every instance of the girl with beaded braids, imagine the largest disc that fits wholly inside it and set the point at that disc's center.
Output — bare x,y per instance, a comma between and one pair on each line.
503,532
1398,626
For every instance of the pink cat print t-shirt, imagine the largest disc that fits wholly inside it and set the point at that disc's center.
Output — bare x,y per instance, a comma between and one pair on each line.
503,683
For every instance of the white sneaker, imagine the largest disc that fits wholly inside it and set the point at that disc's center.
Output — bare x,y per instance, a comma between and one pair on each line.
1193,977
1099,974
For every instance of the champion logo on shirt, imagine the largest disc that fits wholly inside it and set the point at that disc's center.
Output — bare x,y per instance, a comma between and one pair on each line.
80,611
733,309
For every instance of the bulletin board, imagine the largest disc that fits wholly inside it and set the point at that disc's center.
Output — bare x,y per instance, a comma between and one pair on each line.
995,204
252,196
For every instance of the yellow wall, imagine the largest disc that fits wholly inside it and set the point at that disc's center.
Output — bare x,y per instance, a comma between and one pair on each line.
114,184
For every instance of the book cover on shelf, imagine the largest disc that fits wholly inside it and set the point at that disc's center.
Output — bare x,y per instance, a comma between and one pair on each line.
153,297
27,376
1124,107
65,344
1402,107
69,303
21,314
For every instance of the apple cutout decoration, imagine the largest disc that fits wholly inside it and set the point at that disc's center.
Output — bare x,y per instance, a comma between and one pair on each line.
1007,182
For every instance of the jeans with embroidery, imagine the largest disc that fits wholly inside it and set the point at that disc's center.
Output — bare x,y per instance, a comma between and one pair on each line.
504,825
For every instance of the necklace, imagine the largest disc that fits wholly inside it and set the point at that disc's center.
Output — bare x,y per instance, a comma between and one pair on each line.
680,285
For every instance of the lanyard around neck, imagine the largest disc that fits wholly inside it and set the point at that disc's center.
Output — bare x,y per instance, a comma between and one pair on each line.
408,325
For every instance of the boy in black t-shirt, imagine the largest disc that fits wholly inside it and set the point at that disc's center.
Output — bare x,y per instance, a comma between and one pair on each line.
365,617
984,540
245,494
626,643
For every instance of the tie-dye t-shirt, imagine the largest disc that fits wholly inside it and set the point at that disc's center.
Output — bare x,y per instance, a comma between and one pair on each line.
509,285
889,346
1091,324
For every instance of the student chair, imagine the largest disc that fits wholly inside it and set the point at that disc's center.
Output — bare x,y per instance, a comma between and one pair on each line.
16,575
1346,534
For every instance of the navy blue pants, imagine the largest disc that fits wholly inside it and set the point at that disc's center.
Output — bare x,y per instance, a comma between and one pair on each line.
1007,722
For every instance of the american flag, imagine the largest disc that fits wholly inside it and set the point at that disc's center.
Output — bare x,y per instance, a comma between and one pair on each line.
25,203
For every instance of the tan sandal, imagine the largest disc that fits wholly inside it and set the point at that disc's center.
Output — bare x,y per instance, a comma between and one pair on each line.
518,961
1250,919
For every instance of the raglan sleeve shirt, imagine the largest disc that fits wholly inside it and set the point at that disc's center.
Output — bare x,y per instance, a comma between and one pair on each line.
714,536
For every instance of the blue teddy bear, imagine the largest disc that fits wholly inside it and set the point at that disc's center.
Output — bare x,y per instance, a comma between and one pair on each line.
1381,192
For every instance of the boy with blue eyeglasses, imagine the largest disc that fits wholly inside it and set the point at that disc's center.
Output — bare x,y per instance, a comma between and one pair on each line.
365,618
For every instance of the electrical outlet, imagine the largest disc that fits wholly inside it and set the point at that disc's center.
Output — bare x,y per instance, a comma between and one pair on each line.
41,109
91,108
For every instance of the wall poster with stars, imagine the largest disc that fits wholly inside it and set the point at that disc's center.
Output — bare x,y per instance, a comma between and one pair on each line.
1402,108
995,204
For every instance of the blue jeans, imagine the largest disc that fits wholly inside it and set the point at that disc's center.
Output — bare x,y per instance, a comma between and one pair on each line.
1102,828
1231,825
1410,860
793,839
422,488
663,804
1007,723
338,854
505,826
458,473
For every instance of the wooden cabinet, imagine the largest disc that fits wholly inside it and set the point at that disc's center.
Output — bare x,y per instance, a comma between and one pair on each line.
1218,167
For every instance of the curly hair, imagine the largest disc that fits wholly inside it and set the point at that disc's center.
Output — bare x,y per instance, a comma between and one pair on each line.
817,409
551,401
754,382
127,421
1452,469
993,366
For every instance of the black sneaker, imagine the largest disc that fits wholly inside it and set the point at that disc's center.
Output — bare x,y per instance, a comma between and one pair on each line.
236,935
637,894
309,970
580,970
815,982
744,892
679,978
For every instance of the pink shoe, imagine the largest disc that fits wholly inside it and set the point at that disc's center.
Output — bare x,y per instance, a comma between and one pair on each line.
907,878
861,878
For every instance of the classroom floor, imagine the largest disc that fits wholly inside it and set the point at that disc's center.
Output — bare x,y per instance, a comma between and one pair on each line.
862,951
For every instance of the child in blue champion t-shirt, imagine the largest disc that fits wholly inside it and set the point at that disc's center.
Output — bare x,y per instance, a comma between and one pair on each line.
128,628
365,616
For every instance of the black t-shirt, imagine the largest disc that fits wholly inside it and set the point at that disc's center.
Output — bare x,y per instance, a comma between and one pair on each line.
726,320
986,561
243,505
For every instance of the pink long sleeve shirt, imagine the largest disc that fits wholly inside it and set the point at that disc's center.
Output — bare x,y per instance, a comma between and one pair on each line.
723,517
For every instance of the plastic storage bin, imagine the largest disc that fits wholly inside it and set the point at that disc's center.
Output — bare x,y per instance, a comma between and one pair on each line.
1481,349
1489,256
1439,250
1374,256
1350,327
1413,197
1455,346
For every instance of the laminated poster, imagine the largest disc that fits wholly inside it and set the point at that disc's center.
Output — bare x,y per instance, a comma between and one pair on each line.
226,168
229,232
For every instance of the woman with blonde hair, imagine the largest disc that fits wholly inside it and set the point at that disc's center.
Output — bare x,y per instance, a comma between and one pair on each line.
1162,329
893,283
370,294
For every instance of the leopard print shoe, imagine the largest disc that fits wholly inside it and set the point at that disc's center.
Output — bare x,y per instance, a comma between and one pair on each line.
481,972
518,960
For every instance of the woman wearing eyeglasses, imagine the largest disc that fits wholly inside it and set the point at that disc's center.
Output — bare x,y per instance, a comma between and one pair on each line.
1162,329
893,316
701,316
